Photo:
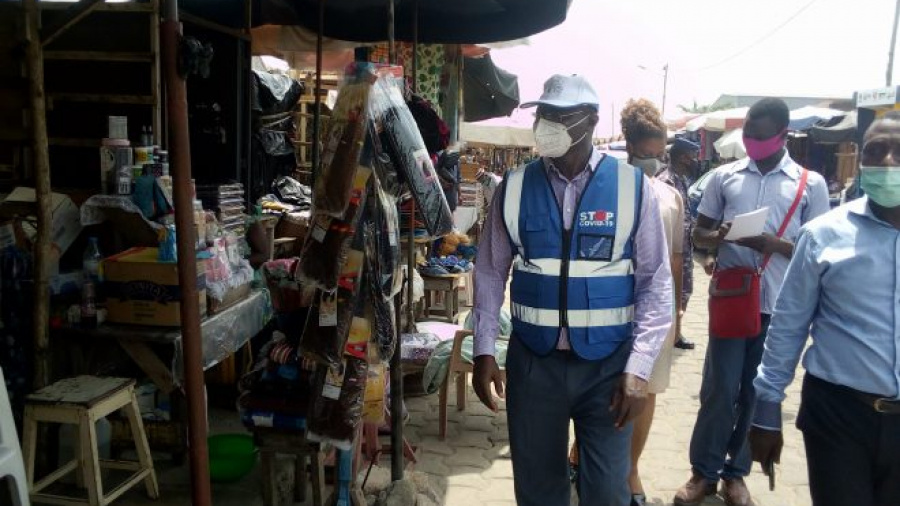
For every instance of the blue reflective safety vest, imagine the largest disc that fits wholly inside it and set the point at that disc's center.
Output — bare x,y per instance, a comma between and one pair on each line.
580,279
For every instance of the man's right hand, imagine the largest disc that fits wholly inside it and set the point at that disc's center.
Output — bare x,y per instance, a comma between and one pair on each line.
484,373
722,232
765,446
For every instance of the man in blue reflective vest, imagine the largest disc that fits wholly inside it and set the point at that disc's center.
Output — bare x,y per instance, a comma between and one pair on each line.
591,304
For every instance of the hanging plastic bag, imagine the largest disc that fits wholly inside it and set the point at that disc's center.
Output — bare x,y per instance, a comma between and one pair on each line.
337,405
374,397
400,139
326,246
328,325
384,331
341,147
384,246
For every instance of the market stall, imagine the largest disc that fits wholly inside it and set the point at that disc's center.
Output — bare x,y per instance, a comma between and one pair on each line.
370,164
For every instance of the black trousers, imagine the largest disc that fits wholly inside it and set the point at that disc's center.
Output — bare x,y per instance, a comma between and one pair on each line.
852,451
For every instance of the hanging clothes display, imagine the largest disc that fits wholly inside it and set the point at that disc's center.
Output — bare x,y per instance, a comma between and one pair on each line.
352,253
432,58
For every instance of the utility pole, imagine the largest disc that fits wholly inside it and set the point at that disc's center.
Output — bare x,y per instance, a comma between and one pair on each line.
666,81
612,121
890,66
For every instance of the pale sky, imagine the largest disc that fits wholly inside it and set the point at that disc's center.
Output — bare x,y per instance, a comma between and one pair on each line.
712,47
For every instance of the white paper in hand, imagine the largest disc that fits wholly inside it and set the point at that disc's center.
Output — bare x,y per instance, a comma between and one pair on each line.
749,224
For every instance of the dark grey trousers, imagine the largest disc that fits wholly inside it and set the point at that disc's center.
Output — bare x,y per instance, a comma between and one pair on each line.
543,395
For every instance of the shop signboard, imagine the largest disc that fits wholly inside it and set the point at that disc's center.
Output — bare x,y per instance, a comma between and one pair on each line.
878,97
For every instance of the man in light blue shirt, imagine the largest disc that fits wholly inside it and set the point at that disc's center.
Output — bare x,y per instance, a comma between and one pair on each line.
769,178
843,289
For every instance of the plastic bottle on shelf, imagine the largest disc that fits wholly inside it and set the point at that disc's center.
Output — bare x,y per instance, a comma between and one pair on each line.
91,263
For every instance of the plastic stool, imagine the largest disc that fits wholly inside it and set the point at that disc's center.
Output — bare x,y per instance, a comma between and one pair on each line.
11,466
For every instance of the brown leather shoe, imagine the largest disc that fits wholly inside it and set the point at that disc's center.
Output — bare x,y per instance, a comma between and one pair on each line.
735,493
694,491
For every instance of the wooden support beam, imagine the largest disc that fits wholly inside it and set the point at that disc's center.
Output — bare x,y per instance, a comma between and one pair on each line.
73,15
41,156
187,17
156,76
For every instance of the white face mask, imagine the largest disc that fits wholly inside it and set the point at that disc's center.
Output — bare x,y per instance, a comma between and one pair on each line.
650,166
553,139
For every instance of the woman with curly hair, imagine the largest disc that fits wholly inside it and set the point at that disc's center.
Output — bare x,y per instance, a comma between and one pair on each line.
645,140
645,135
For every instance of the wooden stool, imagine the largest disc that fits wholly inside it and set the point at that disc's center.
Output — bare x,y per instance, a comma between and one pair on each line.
82,401
272,442
448,286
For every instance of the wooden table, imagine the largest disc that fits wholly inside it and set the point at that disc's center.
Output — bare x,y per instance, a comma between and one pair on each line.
150,347
448,286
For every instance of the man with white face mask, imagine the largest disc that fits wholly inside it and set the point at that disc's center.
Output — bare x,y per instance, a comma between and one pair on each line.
591,303
842,288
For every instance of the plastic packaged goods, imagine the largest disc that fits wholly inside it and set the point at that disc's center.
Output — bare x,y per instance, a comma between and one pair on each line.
291,191
400,139
374,407
341,147
331,315
272,93
384,333
337,406
386,222
329,239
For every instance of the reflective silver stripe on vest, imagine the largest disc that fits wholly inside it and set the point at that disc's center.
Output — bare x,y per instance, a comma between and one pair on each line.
577,268
626,208
580,318
512,200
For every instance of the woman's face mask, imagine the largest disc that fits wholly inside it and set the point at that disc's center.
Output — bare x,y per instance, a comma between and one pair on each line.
650,166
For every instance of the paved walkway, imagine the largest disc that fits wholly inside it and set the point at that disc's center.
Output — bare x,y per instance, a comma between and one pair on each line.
473,468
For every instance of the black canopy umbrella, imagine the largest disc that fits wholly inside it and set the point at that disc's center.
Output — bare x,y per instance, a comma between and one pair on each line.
440,21
839,129
488,91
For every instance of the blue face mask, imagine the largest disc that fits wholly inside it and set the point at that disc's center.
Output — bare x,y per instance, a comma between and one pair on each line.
881,184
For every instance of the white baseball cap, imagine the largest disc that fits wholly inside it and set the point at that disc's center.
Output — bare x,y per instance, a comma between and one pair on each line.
565,92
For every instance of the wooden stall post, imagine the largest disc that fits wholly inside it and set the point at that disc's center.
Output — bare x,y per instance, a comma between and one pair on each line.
180,149
317,104
35,61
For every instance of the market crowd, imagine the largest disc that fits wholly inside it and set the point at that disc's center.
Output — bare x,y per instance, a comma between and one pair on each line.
600,254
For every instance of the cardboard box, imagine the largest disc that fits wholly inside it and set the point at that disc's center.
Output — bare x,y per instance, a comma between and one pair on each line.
142,291
468,171
66,216
231,298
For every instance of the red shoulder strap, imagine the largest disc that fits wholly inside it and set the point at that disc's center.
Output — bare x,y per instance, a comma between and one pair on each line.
804,177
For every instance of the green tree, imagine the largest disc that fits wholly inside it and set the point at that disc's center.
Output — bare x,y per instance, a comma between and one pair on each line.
701,109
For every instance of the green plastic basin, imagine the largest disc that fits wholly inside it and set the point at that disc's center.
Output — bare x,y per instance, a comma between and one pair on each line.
231,457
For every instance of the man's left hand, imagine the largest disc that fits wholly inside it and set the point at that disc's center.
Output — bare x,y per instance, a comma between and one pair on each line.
766,244
766,446
629,400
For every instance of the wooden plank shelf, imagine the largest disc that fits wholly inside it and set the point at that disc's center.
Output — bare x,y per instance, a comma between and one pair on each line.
94,98
103,7
68,142
109,56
